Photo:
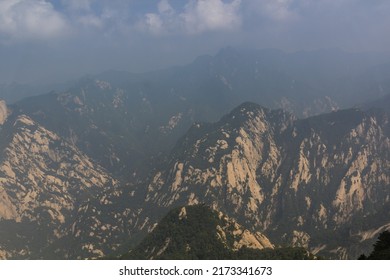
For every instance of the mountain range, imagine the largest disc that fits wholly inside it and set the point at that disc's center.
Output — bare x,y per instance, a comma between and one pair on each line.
89,171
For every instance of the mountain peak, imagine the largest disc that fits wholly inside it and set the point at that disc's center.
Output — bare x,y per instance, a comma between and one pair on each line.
249,106
268,170
228,53
23,120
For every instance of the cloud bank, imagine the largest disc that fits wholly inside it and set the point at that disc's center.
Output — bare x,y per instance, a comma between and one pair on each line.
195,18
26,19
94,35
333,19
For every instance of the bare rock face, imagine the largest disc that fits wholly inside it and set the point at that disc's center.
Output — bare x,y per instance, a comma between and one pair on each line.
3,112
43,182
304,182
242,237
223,172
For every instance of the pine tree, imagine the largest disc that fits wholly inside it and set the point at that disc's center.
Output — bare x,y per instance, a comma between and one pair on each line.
381,248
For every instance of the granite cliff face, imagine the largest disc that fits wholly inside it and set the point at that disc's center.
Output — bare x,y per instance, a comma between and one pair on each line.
43,181
296,180
218,164
3,112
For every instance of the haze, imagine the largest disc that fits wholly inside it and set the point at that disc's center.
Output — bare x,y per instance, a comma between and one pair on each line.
44,41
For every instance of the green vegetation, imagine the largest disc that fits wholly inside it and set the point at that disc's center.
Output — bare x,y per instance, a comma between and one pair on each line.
193,235
284,253
381,248
184,238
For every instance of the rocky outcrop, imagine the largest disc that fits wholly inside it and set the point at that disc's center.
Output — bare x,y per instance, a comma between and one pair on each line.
3,112
242,237
43,182
223,172
299,181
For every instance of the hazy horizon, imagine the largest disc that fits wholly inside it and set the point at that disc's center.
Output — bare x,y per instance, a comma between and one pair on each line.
58,40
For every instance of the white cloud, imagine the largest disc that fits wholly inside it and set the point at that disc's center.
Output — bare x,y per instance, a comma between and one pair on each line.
26,19
198,16
211,15
280,10
154,23
81,15
165,8
275,10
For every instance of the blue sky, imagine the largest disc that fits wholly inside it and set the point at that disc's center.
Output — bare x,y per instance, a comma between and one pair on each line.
53,40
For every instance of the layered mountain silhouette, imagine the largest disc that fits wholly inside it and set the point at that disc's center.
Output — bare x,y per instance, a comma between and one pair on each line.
90,171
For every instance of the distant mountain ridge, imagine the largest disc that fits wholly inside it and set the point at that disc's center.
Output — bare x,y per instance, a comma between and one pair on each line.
133,110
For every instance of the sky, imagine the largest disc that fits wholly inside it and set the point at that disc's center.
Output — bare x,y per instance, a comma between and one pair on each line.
43,41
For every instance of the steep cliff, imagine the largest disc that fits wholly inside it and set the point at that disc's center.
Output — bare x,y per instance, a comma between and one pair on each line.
43,181
319,182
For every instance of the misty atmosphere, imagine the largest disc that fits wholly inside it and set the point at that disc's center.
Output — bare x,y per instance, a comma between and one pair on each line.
196,129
